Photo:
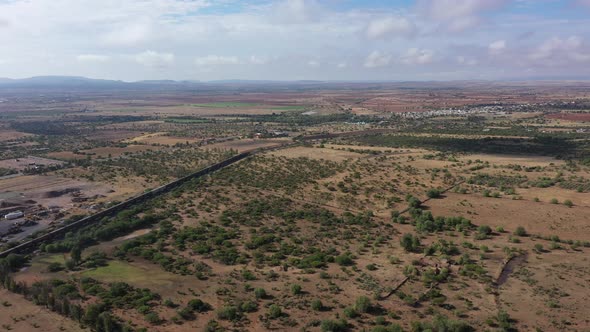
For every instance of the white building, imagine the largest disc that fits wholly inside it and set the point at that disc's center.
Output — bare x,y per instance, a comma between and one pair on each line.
14,215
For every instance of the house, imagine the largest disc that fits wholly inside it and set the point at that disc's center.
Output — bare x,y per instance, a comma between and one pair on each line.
14,215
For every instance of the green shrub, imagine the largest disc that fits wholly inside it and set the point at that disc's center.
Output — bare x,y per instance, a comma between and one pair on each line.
350,312
317,305
296,289
228,313
249,306
410,243
153,318
55,267
433,193
362,304
344,259
520,231
198,305
274,311
260,293
329,325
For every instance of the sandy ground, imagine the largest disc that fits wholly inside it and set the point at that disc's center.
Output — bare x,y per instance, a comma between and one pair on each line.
28,162
49,189
316,153
528,161
540,218
102,152
11,135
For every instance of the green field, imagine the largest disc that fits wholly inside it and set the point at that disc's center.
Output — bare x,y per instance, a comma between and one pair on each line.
137,274
289,108
179,120
48,259
119,271
225,104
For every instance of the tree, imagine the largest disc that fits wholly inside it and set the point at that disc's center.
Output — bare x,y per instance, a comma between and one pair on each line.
198,305
296,289
362,304
76,254
410,242
329,325
274,311
317,305
91,314
413,202
70,264
260,293
228,313
433,193
520,231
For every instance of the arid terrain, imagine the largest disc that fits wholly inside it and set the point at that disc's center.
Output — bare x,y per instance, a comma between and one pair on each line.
360,207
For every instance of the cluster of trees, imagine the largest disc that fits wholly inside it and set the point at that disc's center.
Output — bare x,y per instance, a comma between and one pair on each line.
560,147
497,181
269,172
109,228
65,298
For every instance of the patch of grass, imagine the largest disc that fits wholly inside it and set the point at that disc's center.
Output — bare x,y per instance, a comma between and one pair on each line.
289,108
224,104
117,270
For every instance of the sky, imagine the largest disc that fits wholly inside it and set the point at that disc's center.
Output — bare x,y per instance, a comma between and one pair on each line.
340,40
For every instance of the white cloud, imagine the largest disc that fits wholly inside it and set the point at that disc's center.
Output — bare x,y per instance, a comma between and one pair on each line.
389,27
93,58
497,47
415,56
377,59
154,59
128,35
297,11
258,60
557,47
313,63
53,37
216,60
458,15
462,60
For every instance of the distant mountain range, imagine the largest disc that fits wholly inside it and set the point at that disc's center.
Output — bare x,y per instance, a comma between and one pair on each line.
84,83
77,83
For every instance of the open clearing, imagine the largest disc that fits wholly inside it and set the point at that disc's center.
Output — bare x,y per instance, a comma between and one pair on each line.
316,153
540,218
21,164
104,152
